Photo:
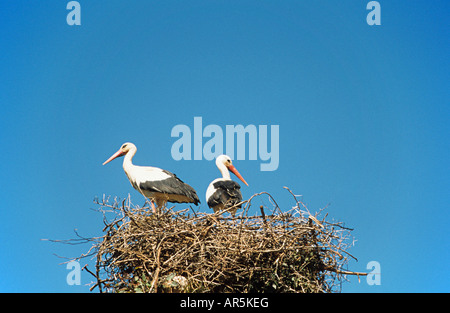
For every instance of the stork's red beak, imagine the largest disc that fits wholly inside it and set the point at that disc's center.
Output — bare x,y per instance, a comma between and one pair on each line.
115,155
235,172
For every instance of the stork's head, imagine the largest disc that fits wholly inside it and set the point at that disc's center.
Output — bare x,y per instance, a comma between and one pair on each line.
225,160
124,149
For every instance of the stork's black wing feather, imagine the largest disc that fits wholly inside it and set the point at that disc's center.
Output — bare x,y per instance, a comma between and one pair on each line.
227,192
171,185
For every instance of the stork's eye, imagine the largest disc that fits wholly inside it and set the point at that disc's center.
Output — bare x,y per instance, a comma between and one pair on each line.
124,146
229,161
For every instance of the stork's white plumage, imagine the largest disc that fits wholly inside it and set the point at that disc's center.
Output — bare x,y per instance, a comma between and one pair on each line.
223,193
160,186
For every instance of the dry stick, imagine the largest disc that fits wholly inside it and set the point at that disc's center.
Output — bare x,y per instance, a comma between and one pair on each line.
261,208
338,271
154,283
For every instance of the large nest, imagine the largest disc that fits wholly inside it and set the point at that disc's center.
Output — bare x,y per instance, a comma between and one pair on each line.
189,251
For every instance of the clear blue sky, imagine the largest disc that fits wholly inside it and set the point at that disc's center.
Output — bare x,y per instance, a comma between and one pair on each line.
363,113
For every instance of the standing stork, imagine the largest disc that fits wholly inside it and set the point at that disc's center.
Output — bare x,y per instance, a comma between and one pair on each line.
223,193
160,186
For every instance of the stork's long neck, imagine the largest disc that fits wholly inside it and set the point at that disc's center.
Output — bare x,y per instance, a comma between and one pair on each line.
127,164
224,170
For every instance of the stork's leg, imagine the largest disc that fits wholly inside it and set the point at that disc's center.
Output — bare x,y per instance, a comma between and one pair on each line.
153,207
160,202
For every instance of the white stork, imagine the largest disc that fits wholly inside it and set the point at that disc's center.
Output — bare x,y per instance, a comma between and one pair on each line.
160,186
223,193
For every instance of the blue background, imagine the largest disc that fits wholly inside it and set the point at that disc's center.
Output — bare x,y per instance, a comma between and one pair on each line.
363,114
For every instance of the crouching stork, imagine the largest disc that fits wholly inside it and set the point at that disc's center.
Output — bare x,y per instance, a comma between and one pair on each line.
223,193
